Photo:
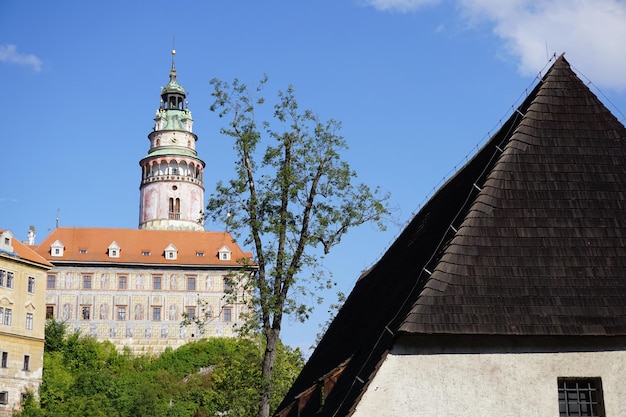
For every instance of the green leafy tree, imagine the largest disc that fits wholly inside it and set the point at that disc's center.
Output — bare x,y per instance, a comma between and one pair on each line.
217,376
292,199
55,332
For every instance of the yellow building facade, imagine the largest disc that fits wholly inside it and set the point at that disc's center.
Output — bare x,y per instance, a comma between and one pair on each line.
22,321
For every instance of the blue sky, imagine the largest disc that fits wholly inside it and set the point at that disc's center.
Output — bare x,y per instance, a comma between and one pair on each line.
417,84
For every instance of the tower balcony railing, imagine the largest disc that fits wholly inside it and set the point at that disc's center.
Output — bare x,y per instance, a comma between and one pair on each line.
170,177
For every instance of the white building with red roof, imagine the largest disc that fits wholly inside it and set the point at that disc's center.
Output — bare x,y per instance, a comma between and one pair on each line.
135,287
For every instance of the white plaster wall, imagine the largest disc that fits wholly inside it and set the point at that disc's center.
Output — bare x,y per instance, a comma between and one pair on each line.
482,385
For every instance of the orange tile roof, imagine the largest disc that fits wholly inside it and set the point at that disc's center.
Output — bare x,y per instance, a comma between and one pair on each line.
91,245
26,253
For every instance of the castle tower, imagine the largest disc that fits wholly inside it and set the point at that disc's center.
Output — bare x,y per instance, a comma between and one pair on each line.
171,190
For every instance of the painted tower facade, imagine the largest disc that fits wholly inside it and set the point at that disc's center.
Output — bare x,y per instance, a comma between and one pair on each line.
171,190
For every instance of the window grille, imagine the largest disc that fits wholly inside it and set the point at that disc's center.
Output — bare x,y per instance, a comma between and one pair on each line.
580,397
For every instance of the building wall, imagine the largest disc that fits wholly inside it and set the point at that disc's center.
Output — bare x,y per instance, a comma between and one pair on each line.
16,340
139,329
495,384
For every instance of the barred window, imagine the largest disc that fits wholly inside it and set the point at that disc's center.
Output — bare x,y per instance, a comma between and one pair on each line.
580,397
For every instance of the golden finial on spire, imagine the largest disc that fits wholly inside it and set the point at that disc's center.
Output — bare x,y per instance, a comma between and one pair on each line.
173,50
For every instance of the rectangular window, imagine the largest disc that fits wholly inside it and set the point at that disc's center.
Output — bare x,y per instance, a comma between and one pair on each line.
26,363
86,312
580,397
87,281
156,283
29,321
51,282
156,313
1,316
3,275
4,397
121,282
121,313
9,279
228,284
49,312
191,283
31,285
228,312
5,359
191,313
8,313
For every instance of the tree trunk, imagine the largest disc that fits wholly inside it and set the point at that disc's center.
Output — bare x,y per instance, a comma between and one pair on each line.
267,367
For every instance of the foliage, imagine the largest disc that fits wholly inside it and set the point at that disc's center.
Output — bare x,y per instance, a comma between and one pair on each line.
204,378
292,199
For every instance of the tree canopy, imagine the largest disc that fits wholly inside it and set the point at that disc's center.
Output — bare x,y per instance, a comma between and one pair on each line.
292,197
204,378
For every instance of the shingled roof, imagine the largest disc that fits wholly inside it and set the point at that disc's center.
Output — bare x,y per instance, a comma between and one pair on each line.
527,239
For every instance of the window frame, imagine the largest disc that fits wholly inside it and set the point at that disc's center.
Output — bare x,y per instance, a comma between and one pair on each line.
51,279
122,282
227,314
26,363
85,309
4,362
156,313
190,279
191,313
589,399
157,281
29,321
120,313
87,281
31,285
8,316
50,311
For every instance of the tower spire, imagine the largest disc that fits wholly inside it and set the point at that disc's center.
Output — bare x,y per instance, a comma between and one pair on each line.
172,190
173,70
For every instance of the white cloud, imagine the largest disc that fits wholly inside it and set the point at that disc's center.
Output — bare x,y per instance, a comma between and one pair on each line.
9,54
589,32
398,5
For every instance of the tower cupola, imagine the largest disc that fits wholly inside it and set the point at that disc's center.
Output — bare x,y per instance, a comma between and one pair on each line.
173,95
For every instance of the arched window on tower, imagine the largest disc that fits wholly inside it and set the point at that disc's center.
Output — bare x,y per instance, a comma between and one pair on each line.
174,206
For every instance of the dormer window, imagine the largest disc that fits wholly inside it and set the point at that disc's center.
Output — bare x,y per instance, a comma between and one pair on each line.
82,251
114,250
171,253
5,243
224,253
56,249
